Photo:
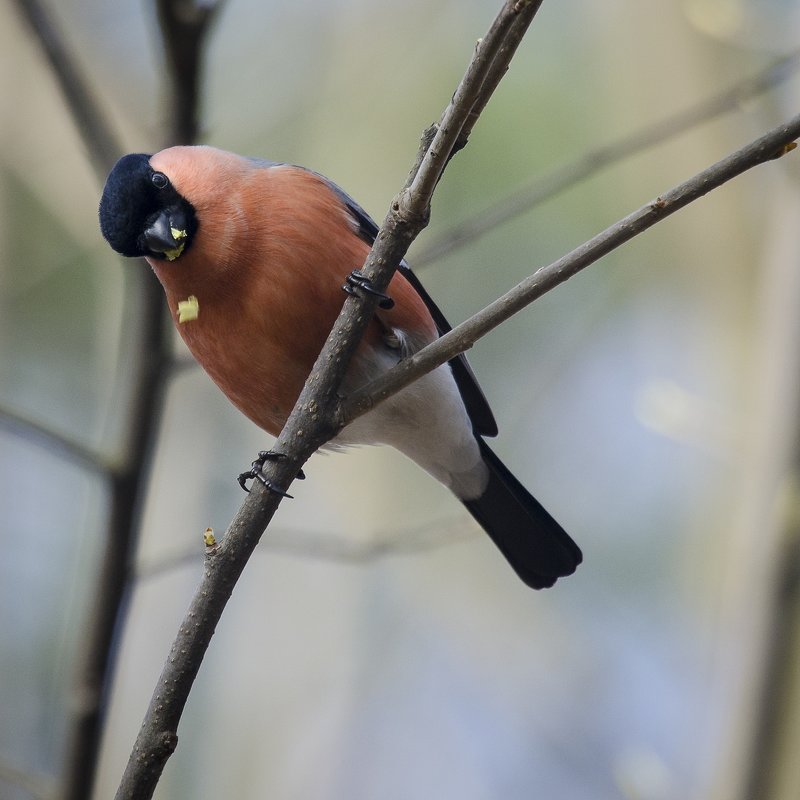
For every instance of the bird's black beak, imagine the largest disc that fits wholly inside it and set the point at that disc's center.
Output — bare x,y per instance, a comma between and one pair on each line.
167,235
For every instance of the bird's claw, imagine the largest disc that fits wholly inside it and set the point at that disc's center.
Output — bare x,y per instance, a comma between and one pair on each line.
255,473
358,280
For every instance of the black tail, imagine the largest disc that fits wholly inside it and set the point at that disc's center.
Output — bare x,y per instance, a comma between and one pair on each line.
533,542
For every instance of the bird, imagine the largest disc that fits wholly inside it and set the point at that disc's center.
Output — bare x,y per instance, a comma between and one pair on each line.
253,256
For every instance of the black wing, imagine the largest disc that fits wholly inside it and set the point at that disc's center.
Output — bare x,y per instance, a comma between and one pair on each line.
477,406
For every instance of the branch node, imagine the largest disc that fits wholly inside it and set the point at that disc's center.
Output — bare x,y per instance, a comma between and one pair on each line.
210,541
783,150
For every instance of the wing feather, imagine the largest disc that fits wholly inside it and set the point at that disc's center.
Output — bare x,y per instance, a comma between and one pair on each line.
477,406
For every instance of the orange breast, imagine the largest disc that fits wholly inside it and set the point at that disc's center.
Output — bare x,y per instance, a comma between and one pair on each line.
267,266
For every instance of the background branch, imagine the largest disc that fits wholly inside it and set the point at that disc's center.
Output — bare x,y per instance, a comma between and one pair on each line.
102,144
55,443
320,545
185,26
658,367
463,336
562,178
766,760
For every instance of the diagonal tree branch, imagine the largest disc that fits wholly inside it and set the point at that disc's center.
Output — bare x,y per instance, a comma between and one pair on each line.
226,560
766,148
489,63
417,216
590,163
315,545
55,443
500,64
310,424
102,144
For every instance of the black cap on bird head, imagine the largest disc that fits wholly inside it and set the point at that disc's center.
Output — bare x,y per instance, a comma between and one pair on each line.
141,213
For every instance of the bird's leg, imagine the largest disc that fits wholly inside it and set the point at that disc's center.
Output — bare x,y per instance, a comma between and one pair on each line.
255,473
358,280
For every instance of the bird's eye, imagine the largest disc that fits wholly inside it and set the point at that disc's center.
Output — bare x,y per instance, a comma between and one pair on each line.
160,180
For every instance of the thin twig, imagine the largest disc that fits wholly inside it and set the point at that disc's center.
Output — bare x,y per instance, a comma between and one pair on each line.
488,64
56,444
102,144
562,178
463,336
500,65
309,425
322,546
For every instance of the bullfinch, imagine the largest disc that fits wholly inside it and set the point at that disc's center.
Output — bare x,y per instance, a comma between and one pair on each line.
253,256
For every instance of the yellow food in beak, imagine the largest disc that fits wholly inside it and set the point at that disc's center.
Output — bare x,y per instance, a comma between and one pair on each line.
178,236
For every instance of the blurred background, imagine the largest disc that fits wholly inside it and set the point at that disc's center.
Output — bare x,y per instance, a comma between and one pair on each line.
383,648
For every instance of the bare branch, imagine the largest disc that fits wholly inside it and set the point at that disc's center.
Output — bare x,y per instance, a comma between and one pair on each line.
185,25
489,63
519,26
593,161
184,28
101,142
323,546
779,671
55,443
590,163
310,424
128,477
770,146
128,481
314,420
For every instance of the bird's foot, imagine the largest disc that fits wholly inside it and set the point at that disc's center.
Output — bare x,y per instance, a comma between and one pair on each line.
358,280
255,473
